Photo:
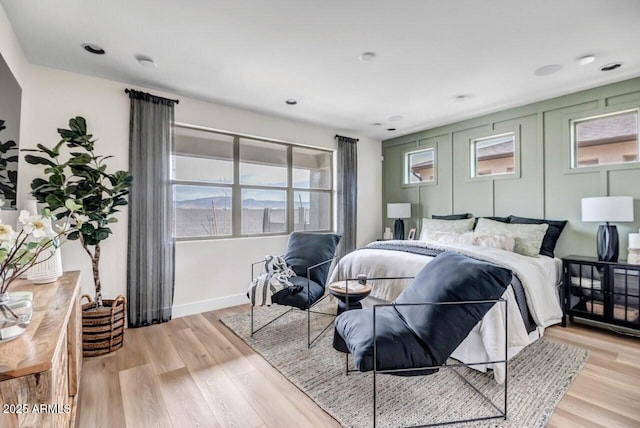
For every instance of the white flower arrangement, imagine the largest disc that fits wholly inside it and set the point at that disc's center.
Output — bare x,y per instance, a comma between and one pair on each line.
19,250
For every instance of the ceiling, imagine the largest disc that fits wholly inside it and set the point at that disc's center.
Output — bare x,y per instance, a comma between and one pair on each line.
256,54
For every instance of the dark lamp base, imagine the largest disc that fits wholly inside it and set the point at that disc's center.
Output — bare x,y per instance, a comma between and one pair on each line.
398,229
608,245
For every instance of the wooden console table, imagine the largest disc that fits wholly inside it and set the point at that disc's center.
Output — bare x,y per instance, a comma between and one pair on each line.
40,370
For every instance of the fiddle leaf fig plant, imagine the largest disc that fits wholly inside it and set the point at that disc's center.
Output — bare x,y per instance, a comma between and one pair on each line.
78,187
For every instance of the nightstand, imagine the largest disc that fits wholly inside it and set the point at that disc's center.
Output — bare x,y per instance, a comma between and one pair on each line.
602,291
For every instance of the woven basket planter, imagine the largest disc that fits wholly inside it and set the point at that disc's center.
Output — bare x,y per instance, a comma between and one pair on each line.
103,328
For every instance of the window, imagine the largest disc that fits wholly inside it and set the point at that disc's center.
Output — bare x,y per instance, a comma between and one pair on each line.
494,155
312,184
263,180
231,186
203,177
420,166
605,139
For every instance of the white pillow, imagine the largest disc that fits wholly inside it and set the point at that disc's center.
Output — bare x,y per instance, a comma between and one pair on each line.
502,242
448,237
455,226
528,237
471,238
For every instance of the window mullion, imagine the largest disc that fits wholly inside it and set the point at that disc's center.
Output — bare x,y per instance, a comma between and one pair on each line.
290,202
236,197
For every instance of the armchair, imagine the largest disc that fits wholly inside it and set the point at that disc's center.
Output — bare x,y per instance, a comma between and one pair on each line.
310,256
416,334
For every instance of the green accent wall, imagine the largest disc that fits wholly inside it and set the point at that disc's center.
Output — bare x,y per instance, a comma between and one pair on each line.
544,185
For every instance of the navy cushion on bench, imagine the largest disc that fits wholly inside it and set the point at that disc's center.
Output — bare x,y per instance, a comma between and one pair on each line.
299,298
437,329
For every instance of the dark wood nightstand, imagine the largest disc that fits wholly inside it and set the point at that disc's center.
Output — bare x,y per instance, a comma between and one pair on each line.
602,291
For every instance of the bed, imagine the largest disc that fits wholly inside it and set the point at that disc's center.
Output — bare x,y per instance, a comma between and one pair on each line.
538,278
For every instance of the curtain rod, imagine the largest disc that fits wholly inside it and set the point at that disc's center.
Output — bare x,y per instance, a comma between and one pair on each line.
342,137
129,91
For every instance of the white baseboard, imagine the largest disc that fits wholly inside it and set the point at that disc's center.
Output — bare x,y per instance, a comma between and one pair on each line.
208,305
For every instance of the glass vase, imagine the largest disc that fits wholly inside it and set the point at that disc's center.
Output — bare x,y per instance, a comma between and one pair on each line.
15,316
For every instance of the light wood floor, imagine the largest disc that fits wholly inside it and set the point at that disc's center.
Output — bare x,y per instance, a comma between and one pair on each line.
194,372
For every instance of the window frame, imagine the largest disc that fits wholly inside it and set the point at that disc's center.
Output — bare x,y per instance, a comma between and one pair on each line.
421,147
236,187
567,139
573,166
494,133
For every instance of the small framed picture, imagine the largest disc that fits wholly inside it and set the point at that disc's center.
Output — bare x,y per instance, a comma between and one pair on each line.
412,234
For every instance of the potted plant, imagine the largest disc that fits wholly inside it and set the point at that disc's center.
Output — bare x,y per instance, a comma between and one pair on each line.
78,187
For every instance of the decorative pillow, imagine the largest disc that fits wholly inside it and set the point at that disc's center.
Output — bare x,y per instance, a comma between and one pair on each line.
448,237
502,242
550,238
528,237
305,249
456,226
500,219
452,216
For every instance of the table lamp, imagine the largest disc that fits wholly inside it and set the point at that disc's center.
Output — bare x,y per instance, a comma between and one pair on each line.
608,209
399,211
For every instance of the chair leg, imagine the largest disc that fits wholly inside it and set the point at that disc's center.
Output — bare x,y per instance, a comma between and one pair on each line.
346,365
374,397
309,341
309,327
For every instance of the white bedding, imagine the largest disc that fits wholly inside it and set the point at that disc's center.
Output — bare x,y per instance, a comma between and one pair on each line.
538,275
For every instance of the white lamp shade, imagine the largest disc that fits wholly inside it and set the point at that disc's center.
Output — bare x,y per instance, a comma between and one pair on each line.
607,208
402,210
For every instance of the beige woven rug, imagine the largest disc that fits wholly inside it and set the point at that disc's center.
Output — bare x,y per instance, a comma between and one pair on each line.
538,378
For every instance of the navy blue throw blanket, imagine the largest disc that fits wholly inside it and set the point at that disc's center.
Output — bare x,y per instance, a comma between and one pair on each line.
410,337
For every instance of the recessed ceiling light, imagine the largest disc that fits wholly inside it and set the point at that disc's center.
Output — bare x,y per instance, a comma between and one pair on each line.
587,59
548,69
396,118
376,124
93,48
367,56
291,102
461,98
610,67
391,129
146,62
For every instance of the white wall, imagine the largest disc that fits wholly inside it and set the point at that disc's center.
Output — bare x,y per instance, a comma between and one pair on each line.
209,274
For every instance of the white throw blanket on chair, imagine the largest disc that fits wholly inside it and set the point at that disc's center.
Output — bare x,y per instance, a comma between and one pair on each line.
273,278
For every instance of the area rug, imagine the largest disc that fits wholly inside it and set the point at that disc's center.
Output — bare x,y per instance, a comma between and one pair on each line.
538,378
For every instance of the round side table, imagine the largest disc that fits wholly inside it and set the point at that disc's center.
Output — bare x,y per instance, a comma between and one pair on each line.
346,302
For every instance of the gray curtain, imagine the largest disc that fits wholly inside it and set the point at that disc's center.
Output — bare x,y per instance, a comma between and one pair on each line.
347,193
150,275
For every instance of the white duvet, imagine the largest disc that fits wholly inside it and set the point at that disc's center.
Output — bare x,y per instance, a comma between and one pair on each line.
537,277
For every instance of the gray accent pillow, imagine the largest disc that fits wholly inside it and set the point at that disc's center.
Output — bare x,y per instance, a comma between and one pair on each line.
550,238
